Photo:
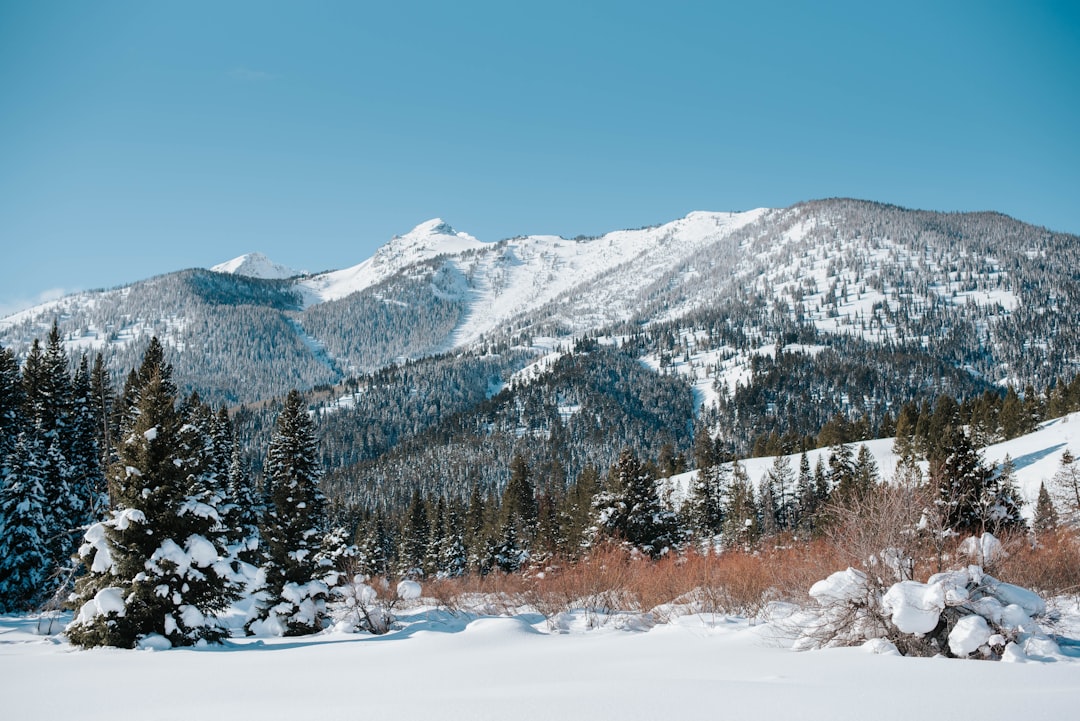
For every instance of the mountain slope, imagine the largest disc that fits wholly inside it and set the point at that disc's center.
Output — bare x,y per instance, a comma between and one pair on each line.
980,292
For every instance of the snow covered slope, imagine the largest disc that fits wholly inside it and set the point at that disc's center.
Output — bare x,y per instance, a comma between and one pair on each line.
1035,456
428,240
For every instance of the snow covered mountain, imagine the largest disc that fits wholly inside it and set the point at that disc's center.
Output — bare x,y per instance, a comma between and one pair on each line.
256,265
981,291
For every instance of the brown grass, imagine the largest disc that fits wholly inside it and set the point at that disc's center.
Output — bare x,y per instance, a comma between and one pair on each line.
611,580
1051,567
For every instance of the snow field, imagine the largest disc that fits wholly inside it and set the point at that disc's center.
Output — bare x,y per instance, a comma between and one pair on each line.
443,666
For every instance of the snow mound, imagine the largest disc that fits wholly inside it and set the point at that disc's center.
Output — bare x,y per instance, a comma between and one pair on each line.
408,590
915,607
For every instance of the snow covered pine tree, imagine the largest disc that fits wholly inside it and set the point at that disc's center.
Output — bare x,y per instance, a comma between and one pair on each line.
155,574
294,588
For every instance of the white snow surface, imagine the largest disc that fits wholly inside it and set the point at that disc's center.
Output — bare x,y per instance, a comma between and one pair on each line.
438,665
256,265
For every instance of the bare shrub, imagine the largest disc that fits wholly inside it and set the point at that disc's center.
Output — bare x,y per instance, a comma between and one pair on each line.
1050,567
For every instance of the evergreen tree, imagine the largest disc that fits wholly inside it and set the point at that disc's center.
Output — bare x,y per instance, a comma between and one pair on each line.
24,558
11,402
153,566
961,479
630,509
1000,502
436,538
1065,488
704,508
87,477
742,526
103,401
48,412
518,519
415,536
293,596
575,513
453,558
781,485
842,476
866,471
244,515
1046,520
374,547
806,499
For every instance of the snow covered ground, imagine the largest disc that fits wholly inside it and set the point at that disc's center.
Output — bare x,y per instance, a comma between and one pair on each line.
441,666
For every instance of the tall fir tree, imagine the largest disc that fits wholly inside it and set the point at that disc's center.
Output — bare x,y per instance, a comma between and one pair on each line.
415,537
704,508
153,566
742,526
24,559
11,405
293,595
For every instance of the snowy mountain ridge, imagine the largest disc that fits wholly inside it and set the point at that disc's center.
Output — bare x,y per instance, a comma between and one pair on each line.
977,290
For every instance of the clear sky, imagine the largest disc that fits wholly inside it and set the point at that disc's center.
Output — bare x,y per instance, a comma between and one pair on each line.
139,137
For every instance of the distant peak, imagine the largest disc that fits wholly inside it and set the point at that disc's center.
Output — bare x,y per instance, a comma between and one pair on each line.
255,265
435,226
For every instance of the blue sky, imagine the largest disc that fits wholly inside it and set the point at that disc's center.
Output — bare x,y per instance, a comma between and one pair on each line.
138,138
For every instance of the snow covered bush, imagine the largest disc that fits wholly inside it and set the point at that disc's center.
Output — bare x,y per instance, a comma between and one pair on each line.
367,604
963,613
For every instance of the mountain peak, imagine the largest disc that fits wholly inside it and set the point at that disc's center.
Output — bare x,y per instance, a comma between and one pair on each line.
255,265
435,226
432,237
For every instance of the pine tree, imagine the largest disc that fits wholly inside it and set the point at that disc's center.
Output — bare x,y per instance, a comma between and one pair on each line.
575,513
293,596
807,500
415,537
436,539
87,477
961,479
1046,520
866,471
742,525
103,401
704,507
24,559
453,559
1065,489
153,566
244,514
842,478
519,517
781,483
48,411
11,403
1000,503
630,510
373,547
